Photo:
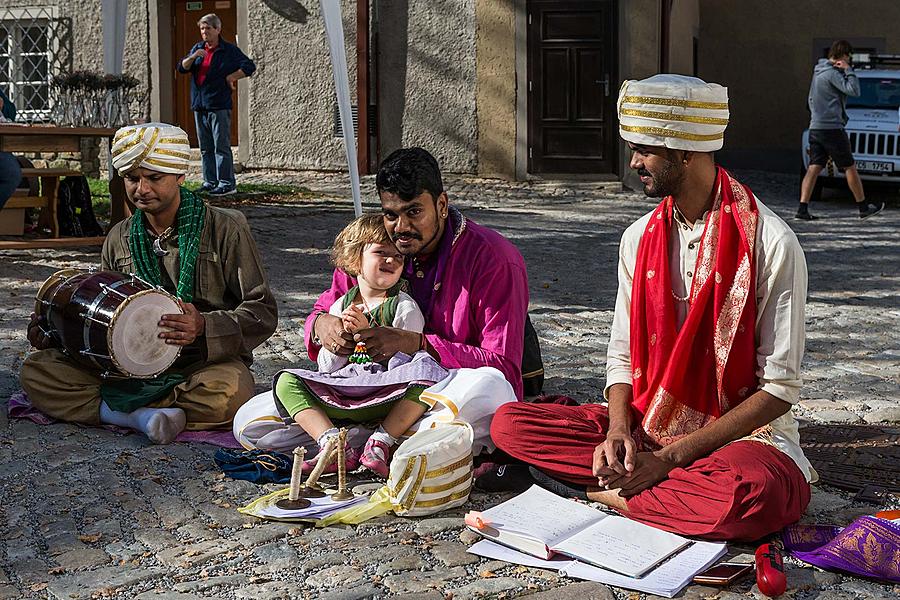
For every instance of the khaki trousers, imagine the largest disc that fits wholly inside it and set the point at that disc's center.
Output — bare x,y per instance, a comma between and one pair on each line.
65,390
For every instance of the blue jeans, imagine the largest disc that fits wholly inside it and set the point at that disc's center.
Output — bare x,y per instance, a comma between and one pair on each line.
214,134
10,176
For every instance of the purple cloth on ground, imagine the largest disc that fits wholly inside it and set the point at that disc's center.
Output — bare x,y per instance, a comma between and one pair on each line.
868,547
20,407
371,384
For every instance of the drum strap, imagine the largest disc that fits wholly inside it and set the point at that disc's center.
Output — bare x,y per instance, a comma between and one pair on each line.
191,213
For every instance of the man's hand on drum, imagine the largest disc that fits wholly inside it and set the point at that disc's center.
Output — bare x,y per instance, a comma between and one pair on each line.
183,329
330,330
37,333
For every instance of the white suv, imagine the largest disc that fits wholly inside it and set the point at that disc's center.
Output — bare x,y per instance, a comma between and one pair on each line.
873,128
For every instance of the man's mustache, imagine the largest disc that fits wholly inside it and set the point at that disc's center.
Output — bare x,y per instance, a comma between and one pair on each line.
406,234
644,173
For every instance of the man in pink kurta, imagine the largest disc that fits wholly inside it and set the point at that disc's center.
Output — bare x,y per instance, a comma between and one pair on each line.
469,281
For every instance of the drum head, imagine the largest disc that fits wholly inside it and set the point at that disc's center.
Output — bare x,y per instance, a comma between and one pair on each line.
133,338
51,282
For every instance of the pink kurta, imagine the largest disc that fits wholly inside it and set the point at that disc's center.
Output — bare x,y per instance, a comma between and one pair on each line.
478,310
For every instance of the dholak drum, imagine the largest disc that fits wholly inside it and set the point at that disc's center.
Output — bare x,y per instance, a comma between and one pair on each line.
108,321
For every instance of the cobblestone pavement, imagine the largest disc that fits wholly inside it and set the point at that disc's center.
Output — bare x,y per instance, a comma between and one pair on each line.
89,513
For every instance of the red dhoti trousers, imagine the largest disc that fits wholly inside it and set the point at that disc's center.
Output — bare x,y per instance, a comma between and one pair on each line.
742,491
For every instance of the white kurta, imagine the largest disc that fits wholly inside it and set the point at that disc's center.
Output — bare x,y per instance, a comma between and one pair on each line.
781,281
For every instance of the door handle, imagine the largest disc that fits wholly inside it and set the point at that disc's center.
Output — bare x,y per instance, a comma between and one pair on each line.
605,82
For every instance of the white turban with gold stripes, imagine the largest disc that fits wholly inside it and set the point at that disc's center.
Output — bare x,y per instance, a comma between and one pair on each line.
155,146
675,111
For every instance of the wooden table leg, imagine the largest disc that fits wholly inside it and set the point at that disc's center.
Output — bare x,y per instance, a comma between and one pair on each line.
50,191
119,207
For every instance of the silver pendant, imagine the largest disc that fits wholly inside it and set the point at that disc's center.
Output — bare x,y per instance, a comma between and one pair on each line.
157,249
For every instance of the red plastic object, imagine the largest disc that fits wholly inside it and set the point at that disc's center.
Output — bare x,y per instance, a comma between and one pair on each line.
770,577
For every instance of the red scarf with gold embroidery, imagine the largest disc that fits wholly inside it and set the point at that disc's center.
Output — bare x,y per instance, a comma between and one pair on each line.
684,379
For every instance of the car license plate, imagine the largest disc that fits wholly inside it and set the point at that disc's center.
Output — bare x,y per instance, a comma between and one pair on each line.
875,166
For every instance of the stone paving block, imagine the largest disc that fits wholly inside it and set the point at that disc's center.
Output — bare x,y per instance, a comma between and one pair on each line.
360,592
167,595
196,531
273,590
576,591
260,534
8,592
835,416
422,581
321,560
436,525
201,585
336,576
83,558
155,539
86,584
883,415
411,562
486,587
195,554
453,554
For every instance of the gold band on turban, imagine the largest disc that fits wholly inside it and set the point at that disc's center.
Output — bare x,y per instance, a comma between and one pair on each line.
155,146
675,111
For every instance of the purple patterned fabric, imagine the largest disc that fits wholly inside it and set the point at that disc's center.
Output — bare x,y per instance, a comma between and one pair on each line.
370,384
20,407
868,547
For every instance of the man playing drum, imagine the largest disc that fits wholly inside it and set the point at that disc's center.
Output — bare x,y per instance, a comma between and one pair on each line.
207,258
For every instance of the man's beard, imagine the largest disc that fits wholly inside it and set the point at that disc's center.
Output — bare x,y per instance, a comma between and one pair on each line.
665,183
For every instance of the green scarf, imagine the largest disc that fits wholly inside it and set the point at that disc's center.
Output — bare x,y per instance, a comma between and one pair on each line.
189,221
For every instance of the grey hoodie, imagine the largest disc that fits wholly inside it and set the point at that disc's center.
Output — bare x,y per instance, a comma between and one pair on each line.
828,95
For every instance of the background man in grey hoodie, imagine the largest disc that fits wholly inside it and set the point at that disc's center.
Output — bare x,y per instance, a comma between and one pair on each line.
833,80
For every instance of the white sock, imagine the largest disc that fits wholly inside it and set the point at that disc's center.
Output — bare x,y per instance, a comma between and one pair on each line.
326,435
161,425
383,436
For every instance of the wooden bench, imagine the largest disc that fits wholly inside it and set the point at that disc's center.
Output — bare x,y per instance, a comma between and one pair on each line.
47,200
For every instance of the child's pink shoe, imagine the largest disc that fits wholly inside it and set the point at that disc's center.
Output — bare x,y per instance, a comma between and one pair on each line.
351,462
376,457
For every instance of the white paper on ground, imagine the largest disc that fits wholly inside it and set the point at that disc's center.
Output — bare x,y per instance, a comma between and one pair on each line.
318,508
666,580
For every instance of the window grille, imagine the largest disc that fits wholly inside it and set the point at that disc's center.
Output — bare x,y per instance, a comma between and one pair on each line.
31,54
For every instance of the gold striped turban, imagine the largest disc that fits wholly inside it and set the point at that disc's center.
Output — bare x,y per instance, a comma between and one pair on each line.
675,111
155,146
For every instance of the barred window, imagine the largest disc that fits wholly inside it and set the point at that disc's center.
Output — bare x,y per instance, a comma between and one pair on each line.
28,45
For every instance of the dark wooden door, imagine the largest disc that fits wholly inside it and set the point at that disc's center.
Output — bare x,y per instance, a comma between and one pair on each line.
572,84
187,33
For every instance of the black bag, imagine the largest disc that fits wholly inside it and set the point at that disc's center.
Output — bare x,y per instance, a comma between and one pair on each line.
532,363
75,210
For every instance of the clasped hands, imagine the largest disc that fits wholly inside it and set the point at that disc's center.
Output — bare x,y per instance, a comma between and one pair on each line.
618,465
340,335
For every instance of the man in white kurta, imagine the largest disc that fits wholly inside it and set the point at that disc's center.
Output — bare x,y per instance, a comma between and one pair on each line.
704,357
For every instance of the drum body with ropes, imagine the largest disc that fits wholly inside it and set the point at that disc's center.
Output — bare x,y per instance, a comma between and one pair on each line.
108,321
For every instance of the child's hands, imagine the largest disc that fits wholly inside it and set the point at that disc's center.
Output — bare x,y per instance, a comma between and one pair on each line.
354,319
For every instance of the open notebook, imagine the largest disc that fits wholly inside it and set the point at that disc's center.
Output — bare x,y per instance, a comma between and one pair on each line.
543,524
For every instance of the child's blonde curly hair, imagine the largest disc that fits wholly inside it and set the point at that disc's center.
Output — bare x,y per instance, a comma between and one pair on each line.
353,239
